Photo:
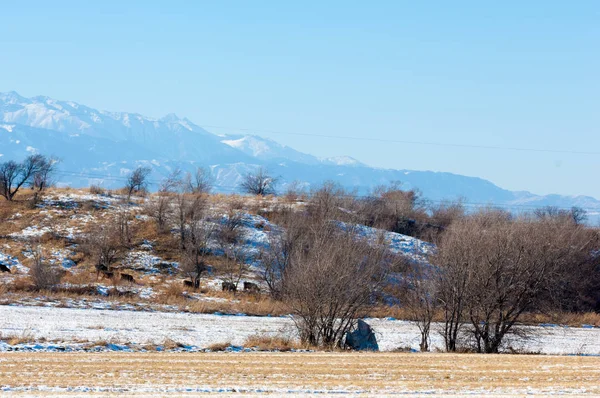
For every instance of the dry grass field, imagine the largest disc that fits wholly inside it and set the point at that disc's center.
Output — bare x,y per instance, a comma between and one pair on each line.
380,374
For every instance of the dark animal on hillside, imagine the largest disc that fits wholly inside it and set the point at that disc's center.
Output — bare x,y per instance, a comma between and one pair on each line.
251,287
4,268
228,287
127,278
106,274
192,284
101,269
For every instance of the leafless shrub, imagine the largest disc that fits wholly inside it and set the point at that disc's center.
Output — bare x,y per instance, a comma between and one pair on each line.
201,182
234,267
42,178
102,244
420,299
97,190
295,191
189,211
229,230
137,181
259,183
193,258
160,207
494,268
325,276
123,224
14,175
43,274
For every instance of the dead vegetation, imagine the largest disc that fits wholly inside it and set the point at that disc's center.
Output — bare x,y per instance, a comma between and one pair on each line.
263,342
100,231
302,373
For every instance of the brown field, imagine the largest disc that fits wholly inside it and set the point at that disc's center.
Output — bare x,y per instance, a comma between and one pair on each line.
144,374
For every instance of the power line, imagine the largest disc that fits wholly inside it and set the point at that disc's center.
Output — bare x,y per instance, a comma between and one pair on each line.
410,142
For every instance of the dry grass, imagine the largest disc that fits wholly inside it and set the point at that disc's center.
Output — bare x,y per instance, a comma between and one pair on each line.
371,373
272,343
25,337
219,346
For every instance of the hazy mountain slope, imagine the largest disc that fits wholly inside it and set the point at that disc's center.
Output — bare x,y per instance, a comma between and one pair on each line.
101,147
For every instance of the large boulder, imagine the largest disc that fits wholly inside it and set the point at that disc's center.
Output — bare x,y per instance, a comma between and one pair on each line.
362,338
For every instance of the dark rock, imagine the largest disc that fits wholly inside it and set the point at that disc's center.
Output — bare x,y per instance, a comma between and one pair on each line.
362,338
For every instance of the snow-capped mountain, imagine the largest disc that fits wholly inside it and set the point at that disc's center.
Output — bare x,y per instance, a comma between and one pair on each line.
266,149
169,137
101,147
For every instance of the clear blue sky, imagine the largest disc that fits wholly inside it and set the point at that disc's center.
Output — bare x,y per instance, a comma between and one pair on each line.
503,73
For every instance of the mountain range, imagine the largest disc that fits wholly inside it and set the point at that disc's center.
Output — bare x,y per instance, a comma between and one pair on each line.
101,147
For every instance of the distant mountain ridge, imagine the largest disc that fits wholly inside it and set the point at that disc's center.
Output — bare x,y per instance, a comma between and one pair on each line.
104,146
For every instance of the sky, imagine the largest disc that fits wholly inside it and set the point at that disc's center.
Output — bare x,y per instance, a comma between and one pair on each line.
510,74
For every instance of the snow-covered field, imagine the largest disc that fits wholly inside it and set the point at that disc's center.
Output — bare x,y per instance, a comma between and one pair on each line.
199,331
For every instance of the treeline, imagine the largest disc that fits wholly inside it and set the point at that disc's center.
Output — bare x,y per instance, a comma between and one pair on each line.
490,267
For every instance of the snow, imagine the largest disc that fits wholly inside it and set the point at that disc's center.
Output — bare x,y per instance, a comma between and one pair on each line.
143,261
13,263
413,248
254,234
202,330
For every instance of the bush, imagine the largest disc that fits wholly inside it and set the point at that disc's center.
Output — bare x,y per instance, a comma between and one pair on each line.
271,343
97,190
44,275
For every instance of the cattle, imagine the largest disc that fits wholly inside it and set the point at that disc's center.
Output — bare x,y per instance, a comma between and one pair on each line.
194,285
228,287
102,269
251,287
127,278
106,274
4,268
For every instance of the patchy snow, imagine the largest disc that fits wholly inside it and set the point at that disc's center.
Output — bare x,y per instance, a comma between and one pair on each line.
61,256
13,263
143,261
416,249
254,234
32,231
202,330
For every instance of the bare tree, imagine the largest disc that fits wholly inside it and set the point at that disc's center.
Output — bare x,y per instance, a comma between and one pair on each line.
420,299
200,182
193,258
43,274
160,207
575,214
137,181
326,277
326,202
259,182
494,268
42,179
13,175
235,266
189,210
123,224
102,244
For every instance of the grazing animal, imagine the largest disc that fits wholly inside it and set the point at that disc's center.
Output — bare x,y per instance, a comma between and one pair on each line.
4,268
192,284
251,287
107,274
128,278
228,287
101,269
